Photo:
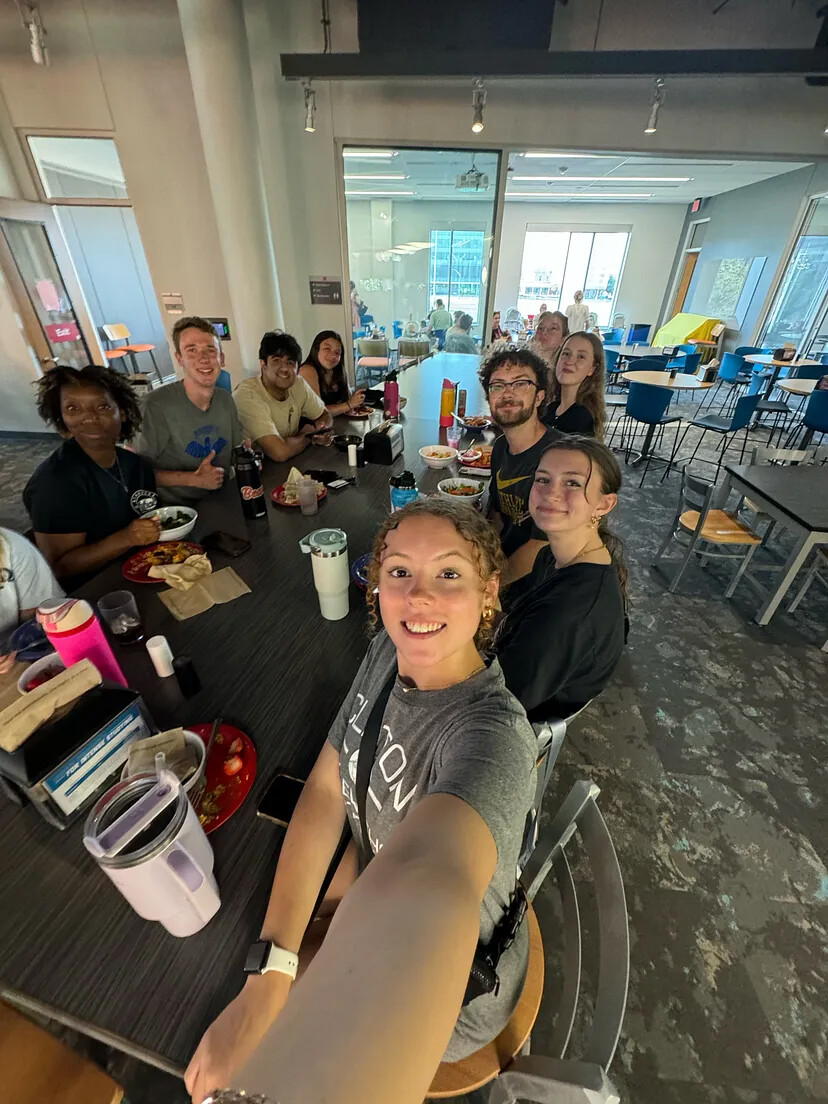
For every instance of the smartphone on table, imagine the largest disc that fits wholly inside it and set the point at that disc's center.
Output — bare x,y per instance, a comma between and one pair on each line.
280,799
226,543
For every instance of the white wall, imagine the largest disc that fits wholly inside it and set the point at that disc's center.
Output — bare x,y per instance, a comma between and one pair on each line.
18,371
654,234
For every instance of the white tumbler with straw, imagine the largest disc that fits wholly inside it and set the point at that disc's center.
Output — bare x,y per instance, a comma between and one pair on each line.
328,550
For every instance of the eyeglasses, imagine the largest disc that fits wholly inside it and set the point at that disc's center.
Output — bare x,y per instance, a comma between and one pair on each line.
518,385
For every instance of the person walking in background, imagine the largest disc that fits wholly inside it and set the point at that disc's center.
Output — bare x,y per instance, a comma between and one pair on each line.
576,392
189,428
439,321
577,314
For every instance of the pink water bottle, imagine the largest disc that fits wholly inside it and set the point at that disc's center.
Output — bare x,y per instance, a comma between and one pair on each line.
391,396
76,634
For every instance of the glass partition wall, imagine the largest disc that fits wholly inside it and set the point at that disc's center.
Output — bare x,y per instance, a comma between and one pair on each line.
798,312
420,226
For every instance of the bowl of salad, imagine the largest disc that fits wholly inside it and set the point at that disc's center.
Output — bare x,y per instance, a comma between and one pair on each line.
461,490
177,522
438,456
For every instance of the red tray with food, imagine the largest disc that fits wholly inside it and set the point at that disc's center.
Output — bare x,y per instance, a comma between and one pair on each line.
229,775
136,568
286,496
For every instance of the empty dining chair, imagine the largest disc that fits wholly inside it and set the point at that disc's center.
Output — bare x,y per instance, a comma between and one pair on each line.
823,358
686,363
639,333
647,406
751,350
727,427
731,373
373,358
808,372
700,529
118,331
814,420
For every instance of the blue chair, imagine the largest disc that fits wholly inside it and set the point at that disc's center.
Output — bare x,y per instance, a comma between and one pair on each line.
732,372
689,347
814,420
809,371
728,428
647,404
823,358
224,381
687,363
398,329
638,333
611,359
654,363
751,350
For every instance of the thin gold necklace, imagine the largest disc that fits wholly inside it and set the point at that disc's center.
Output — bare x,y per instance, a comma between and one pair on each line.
476,671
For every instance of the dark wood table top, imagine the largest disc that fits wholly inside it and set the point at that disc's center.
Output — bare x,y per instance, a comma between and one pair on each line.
269,663
800,491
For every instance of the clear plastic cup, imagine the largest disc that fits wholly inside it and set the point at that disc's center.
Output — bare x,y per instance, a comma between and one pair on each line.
119,611
306,493
453,436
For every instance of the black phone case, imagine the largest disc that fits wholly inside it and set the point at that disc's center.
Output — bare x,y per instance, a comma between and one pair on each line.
217,542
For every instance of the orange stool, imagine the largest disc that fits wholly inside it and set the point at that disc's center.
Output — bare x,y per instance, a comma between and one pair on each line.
117,331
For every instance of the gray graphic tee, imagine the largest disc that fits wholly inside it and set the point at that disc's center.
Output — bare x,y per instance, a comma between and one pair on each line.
471,740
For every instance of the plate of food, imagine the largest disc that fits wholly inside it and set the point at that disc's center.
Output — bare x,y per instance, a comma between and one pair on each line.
470,455
136,568
286,494
230,773
484,461
363,411
476,421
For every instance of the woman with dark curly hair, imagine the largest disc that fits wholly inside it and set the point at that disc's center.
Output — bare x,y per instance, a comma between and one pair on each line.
450,786
87,498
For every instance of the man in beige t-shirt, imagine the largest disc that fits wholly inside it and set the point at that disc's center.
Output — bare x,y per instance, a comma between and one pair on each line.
272,406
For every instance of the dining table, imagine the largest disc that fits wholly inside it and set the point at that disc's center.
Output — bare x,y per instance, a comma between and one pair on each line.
801,387
632,352
796,497
71,947
768,360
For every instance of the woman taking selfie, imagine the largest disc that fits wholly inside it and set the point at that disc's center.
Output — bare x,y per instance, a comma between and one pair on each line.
564,629
324,370
576,393
87,498
451,782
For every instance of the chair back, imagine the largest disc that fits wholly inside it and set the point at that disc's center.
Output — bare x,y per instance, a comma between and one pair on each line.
115,331
224,380
731,366
372,346
639,333
749,350
823,359
688,347
408,348
695,493
781,456
647,403
808,371
691,363
816,412
648,364
611,358
744,411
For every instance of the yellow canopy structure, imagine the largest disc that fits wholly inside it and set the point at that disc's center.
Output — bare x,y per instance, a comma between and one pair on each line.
685,327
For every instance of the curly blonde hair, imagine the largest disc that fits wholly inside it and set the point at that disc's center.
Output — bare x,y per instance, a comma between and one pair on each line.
469,524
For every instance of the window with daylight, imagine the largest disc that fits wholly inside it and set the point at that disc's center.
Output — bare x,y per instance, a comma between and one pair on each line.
803,291
557,263
456,270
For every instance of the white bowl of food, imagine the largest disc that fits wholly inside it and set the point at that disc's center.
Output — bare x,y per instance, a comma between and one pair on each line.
470,456
463,489
42,670
177,522
438,456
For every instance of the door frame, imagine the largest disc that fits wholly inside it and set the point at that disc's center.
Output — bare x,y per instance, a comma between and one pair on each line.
25,210
674,284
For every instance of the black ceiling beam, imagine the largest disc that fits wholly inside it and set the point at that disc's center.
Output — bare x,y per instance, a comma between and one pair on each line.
527,64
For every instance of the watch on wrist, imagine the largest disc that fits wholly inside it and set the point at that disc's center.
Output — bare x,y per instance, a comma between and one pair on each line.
264,957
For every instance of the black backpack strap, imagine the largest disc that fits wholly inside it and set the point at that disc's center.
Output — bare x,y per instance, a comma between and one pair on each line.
365,762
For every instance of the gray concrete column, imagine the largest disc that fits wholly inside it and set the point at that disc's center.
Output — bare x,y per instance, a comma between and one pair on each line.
216,47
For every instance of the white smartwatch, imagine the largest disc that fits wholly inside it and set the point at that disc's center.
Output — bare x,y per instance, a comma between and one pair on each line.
264,956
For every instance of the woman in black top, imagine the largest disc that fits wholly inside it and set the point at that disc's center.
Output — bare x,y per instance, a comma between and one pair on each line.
576,394
564,628
87,498
324,372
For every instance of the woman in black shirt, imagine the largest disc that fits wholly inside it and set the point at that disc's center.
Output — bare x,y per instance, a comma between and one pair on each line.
87,498
576,398
324,372
564,628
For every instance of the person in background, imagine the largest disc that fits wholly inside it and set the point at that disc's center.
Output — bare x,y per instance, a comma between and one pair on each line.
383,984
356,304
461,341
564,628
189,427
324,372
577,314
499,334
542,309
550,330
273,405
439,321
26,580
576,396
514,379
87,500
455,324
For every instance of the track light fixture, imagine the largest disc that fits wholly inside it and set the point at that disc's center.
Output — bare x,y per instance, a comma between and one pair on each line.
310,109
655,104
37,32
478,103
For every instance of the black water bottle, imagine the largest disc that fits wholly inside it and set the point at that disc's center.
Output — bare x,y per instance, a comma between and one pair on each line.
249,480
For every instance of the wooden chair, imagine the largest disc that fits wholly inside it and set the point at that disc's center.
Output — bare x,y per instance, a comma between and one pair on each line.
37,1068
506,1063
117,331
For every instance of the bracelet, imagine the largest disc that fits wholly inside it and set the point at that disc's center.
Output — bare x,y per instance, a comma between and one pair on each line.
236,1096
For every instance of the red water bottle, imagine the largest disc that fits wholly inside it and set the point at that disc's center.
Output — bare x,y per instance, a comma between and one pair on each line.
391,396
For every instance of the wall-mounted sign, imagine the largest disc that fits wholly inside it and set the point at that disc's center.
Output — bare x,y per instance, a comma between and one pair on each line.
60,333
173,302
325,292
222,327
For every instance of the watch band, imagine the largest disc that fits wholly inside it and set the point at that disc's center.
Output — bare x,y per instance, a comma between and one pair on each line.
264,957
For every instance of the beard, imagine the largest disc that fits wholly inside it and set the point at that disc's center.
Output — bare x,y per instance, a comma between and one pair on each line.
514,416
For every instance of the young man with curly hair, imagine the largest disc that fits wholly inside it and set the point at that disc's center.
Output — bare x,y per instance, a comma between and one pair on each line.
87,498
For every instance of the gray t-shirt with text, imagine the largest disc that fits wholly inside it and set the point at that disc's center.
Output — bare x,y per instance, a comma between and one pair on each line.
471,740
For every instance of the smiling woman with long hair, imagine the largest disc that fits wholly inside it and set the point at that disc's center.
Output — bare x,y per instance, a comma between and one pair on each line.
451,784
324,371
575,400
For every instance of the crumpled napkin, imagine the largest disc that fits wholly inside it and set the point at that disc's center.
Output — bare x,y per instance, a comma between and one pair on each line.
222,586
183,575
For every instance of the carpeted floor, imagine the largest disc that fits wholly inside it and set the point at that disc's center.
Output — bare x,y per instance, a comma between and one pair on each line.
710,749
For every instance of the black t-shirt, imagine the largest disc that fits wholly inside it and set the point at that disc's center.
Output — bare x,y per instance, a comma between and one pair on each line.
562,635
576,419
70,493
512,477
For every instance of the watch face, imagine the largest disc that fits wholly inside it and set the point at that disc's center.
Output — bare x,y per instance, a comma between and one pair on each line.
256,957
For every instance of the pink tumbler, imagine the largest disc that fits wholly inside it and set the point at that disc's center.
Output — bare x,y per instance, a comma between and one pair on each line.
73,629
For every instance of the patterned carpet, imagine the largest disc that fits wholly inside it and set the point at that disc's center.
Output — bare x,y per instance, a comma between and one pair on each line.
710,749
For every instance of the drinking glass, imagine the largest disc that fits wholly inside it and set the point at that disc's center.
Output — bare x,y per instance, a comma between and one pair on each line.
119,611
306,493
453,437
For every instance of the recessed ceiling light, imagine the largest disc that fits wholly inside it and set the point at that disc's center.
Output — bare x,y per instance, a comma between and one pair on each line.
375,176
365,154
580,195
612,180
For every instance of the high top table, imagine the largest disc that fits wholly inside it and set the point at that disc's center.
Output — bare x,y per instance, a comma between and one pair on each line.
71,947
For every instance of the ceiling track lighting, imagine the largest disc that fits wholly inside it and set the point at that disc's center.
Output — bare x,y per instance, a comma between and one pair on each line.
37,32
655,104
310,108
478,103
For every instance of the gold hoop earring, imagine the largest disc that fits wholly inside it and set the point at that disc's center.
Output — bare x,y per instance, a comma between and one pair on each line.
488,615
594,520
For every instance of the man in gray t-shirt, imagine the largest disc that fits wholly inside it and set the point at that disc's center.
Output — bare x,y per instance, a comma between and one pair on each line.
190,428
471,740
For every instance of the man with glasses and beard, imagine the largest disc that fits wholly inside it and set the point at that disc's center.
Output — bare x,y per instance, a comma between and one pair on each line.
513,379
